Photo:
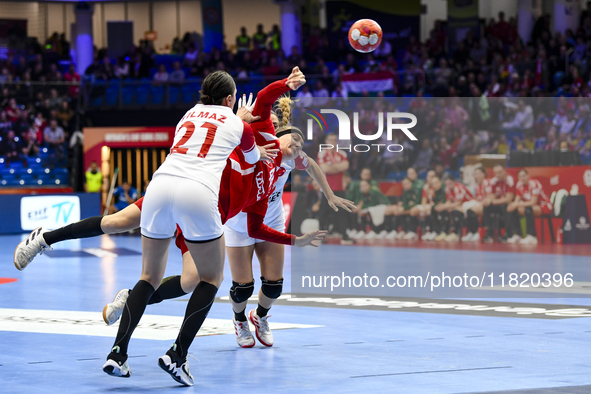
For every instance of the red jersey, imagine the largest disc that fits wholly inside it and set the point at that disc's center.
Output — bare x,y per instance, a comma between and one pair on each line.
483,190
501,188
533,188
459,193
335,181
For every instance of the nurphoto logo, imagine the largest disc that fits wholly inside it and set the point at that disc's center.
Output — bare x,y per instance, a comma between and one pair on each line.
344,129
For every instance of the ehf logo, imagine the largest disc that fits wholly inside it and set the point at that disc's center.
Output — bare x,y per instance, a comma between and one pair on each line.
49,211
388,122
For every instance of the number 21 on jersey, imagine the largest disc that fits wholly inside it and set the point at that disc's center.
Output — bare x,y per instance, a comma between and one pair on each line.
189,130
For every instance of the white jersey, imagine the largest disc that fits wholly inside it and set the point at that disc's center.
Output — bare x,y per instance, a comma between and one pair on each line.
203,141
275,207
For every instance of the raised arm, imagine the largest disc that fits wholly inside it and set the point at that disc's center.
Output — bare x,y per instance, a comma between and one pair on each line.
334,201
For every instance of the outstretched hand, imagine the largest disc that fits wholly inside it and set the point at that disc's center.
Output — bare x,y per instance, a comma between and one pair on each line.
312,239
336,201
245,109
296,79
268,153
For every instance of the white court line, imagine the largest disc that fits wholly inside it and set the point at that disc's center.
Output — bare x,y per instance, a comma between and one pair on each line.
157,327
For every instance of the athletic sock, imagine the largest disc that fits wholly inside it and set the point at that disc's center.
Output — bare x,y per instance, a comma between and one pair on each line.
240,316
261,311
90,227
132,313
199,305
169,288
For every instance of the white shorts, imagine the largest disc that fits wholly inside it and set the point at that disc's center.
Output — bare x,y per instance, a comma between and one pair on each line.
172,200
469,204
236,229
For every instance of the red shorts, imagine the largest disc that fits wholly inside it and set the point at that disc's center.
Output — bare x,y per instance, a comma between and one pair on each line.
139,203
180,241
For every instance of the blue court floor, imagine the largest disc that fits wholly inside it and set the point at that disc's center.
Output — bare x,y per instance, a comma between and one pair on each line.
53,339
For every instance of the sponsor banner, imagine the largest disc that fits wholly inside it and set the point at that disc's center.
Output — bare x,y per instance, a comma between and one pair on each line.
156,327
49,211
371,82
25,212
124,137
213,24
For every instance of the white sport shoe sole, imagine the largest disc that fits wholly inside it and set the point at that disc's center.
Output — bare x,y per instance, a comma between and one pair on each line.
112,368
177,373
110,316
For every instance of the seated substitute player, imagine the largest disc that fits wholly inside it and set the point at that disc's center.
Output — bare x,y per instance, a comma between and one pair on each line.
503,192
126,195
482,190
459,200
417,184
438,219
531,202
369,197
407,213
424,208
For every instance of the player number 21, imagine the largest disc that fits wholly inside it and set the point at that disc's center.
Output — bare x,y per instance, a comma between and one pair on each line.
190,129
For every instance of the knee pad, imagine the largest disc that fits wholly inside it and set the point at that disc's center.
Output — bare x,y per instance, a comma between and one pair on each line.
272,288
457,215
241,292
529,211
471,214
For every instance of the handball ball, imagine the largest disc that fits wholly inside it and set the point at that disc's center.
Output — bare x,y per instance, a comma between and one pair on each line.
365,35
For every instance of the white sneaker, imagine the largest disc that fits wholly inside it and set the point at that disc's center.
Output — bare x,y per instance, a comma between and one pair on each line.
244,337
112,311
26,251
475,237
351,233
401,235
392,235
261,328
382,234
440,237
529,240
514,239
371,235
453,237
411,236
467,237
359,235
177,368
430,236
117,368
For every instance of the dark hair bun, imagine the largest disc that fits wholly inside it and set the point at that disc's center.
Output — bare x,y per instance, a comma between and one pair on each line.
205,99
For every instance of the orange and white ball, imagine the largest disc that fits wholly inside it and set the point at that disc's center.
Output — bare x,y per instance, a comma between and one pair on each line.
365,35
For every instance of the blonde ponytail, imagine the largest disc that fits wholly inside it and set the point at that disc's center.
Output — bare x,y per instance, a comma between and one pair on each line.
285,106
